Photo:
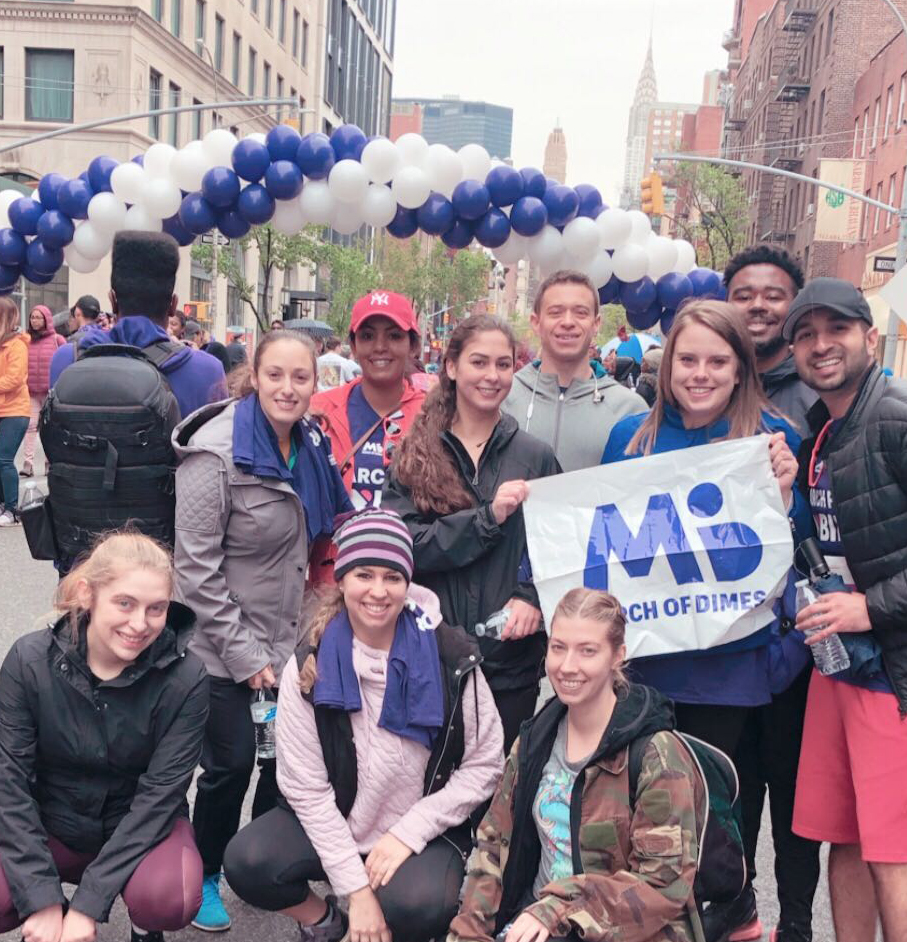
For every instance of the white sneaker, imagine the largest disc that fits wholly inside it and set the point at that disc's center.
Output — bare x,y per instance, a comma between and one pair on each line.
8,519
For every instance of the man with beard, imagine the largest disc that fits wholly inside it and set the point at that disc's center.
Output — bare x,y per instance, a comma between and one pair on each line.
850,786
761,282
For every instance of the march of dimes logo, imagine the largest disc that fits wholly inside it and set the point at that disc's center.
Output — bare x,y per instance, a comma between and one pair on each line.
733,552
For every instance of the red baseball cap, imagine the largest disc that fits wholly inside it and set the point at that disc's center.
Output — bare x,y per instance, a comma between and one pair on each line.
387,304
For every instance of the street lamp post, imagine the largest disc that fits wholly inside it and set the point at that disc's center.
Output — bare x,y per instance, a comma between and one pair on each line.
212,313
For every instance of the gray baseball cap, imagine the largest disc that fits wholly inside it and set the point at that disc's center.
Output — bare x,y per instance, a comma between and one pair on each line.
833,294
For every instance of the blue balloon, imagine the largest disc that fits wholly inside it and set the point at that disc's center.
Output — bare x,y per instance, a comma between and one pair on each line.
283,180
721,293
460,234
610,291
315,156
55,229
47,189
505,185
173,227
9,275
196,214
673,289
12,247
282,142
37,277
706,283
639,296
139,159
255,204
562,204
42,258
647,319
99,171
251,159
667,321
24,214
348,142
471,199
231,224
220,187
535,182
528,216
493,229
73,198
436,215
404,224
590,200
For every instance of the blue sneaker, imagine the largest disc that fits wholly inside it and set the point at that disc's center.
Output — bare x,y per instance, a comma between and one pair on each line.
211,916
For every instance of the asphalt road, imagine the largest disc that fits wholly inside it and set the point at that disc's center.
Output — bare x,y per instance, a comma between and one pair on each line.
25,596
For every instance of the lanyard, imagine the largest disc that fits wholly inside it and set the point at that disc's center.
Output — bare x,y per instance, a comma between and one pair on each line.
820,441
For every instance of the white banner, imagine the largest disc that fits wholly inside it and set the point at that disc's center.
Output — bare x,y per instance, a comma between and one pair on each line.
838,216
694,543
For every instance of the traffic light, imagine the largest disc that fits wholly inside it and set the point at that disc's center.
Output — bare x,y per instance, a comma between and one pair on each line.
653,199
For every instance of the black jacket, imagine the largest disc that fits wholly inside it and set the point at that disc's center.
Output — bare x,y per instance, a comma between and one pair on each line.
471,563
867,462
103,766
788,393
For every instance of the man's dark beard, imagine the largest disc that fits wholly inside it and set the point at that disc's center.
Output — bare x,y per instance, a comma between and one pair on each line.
768,348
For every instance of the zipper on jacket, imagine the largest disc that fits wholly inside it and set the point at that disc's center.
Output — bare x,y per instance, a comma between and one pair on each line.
466,672
557,422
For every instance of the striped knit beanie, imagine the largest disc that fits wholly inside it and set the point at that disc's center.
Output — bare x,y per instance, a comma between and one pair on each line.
374,538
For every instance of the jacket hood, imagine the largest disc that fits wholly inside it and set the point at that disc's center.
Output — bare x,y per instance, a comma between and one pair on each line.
330,402
545,388
48,327
21,336
207,429
140,331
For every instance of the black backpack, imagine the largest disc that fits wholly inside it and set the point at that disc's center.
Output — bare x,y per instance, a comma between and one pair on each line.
105,428
721,867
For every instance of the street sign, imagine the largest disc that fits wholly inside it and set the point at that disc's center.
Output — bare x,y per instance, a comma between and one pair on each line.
883,263
208,239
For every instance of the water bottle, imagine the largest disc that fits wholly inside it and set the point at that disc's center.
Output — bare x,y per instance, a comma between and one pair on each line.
493,625
31,496
264,710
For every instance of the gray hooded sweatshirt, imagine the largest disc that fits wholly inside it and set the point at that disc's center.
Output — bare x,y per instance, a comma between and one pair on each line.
576,423
789,394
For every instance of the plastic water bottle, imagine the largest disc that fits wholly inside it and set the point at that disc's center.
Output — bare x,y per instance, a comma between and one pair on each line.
264,711
31,495
493,625
830,655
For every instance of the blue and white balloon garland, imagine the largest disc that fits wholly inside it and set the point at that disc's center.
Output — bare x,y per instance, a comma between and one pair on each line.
346,181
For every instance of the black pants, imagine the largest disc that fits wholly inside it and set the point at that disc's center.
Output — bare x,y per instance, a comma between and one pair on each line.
515,706
719,726
271,861
228,758
767,756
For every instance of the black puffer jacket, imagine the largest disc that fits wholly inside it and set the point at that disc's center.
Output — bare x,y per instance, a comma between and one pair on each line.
867,461
471,563
103,766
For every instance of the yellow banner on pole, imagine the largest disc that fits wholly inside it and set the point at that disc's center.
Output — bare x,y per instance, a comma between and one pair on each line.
838,216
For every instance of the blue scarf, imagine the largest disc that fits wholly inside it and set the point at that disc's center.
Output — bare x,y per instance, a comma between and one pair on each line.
413,697
314,478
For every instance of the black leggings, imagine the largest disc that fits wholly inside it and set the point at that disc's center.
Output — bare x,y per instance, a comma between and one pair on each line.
270,862
719,726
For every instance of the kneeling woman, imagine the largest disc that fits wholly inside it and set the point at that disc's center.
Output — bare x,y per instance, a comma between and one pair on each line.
387,740
564,849
101,722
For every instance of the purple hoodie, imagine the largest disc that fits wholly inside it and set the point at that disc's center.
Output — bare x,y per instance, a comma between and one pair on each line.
195,377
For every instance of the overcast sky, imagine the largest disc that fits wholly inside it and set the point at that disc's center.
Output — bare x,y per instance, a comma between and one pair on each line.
573,60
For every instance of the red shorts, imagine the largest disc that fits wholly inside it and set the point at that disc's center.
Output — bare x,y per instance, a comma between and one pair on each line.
853,769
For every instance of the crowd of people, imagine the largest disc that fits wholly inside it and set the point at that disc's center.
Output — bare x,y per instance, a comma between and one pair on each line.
346,539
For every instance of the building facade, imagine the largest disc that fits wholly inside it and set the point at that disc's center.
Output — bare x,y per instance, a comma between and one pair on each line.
555,162
455,122
637,132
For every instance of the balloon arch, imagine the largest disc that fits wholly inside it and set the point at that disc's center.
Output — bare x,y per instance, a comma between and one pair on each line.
346,181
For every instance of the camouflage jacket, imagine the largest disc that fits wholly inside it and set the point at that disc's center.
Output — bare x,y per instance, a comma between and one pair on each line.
634,866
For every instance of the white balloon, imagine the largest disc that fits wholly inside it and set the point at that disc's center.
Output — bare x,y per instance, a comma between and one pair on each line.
662,256
161,198
600,269
218,145
379,206
288,217
188,167
381,160
686,256
258,136
128,182
348,182
630,261
78,262
515,248
347,219
546,248
139,219
90,243
316,203
107,213
614,226
640,226
157,160
7,198
582,238
476,162
411,187
413,149
444,168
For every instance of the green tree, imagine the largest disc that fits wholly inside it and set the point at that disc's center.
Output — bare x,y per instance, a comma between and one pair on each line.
717,218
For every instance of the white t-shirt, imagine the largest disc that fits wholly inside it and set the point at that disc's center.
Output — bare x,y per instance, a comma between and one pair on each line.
335,370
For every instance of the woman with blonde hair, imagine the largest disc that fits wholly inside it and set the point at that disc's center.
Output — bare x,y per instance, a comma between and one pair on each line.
101,720
15,406
565,850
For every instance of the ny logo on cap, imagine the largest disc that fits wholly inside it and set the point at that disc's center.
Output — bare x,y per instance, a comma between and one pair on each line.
380,297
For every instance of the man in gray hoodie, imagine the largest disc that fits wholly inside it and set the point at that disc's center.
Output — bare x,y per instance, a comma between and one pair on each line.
565,399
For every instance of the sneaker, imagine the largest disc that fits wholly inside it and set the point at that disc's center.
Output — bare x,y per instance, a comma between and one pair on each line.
9,518
211,915
736,921
790,933
138,936
27,470
332,928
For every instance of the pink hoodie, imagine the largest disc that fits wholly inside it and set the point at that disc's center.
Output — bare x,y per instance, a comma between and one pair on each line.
44,343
